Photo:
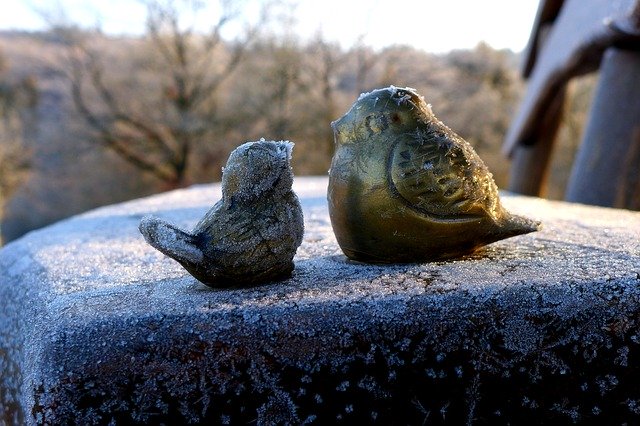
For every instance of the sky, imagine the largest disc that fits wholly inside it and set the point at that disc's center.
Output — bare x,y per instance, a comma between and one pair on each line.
433,25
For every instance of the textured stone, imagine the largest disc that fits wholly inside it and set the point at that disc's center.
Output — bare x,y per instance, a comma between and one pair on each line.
97,327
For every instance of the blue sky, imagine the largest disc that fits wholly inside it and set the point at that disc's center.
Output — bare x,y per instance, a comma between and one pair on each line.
432,25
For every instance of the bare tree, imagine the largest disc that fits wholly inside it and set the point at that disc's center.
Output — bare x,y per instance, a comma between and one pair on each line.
172,112
17,103
330,60
366,59
481,92
285,79
327,67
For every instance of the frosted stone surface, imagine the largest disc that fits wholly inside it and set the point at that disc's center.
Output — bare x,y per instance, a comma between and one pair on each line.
98,327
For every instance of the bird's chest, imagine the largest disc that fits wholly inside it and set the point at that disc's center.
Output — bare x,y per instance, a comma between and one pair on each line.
359,180
363,164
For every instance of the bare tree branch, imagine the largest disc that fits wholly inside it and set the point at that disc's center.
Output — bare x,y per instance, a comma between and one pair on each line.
192,66
119,144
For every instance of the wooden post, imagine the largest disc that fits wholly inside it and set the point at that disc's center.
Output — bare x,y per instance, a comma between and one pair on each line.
607,168
530,162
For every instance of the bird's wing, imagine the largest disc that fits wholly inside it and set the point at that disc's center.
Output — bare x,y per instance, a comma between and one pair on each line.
438,173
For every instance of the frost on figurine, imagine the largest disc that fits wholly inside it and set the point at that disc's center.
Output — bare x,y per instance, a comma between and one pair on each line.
403,187
251,235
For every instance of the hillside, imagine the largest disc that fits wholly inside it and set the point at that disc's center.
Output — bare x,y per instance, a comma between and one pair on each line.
281,89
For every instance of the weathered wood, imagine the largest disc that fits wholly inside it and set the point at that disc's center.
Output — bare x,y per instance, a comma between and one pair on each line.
607,169
531,161
548,11
575,46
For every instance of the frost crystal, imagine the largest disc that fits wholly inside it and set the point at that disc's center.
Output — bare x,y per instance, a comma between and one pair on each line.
425,341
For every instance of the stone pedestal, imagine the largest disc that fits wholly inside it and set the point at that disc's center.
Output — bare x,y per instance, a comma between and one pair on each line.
96,327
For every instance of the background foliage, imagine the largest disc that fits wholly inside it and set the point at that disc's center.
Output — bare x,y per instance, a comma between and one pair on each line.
98,119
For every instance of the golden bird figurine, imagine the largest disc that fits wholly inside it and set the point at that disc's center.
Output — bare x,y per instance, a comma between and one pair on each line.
251,235
403,187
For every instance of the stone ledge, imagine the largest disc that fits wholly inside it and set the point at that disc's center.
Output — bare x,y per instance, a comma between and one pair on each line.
97,327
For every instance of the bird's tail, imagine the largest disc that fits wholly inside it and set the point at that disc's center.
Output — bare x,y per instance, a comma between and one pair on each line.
172,241
517,225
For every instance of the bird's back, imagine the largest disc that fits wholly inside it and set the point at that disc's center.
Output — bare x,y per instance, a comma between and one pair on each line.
245,239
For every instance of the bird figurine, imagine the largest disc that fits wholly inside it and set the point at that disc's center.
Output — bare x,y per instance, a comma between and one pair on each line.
403,187
251,235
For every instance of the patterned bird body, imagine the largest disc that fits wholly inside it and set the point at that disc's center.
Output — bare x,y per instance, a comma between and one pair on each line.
403,187
251,235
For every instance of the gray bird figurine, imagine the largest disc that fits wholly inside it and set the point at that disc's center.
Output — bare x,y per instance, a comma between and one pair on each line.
251,235
403,187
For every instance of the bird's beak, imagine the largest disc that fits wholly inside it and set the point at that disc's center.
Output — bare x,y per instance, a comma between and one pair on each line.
285,148
341,130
